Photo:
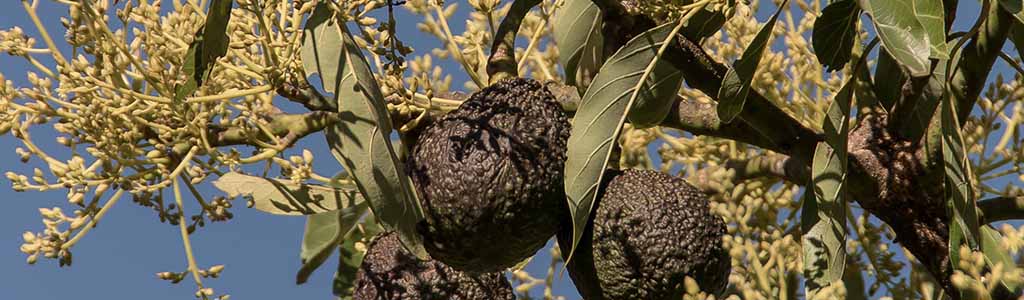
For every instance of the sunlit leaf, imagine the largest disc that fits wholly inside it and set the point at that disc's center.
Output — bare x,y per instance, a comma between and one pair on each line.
282,197
604,108
835,30
736,84
824,210
995,253
901,33
577,32
361,141
932,16
321,46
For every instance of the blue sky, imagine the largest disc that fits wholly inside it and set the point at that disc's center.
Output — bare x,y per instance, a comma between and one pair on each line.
118,259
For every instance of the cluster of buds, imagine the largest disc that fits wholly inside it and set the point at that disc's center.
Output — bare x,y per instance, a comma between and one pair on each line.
972,276
14,42
176,277
54,241
297,168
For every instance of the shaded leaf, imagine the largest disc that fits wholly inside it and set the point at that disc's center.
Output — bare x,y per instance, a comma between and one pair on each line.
282,197
1017,36
920,118
215,35
577,32
322,235
834,33
350,257
901,33
703,24
1015,7
189,67
736,84
958,191
211,43
603,109
361,140
853,278
889,78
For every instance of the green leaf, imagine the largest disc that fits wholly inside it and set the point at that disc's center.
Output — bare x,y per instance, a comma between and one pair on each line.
736,84
889,78
995,253
282,197
189,67
901,33
822,221
321,46
351,257
958,191
703,23
1017,36
853,278
577,32
834,33
824,210
932,16
215,35
322,235
604,108
1015,7
361,140
205,49
923,113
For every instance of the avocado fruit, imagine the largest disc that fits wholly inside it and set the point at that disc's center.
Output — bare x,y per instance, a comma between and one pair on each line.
489,177
389,272
647,233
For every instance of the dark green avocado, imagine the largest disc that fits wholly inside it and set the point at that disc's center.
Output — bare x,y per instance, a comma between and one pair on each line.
647,233
489,177
389,272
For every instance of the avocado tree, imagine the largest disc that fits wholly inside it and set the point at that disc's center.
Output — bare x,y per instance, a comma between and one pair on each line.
853,148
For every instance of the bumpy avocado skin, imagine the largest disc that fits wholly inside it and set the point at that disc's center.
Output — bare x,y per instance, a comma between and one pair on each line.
489,177
648,232
389,272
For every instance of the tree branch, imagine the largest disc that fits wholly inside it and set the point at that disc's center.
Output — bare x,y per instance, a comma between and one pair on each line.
1002,209
502,63
772,165
977,58
290,127
761,123
303,93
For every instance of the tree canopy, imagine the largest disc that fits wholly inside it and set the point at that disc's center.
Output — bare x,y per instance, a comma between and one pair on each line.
855,148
